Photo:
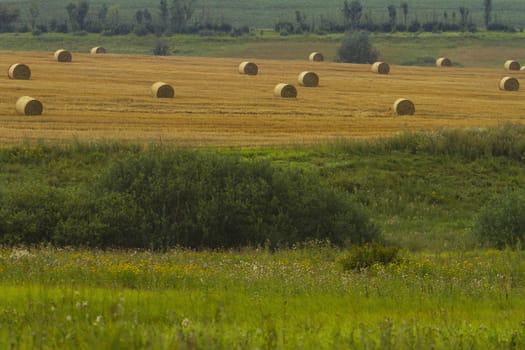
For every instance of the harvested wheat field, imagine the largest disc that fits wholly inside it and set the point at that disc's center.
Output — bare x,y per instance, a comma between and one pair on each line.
108,98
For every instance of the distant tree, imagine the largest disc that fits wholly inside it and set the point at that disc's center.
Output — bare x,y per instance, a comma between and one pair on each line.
300,18
464,13
77,14
82,11
113,17
147,16
181,12
392,15
356,48
103,13
71,9
487,10
404,9
163,14
352,13
8,16
139,16
34,13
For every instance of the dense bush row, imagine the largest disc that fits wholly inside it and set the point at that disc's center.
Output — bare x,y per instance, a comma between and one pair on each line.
159,199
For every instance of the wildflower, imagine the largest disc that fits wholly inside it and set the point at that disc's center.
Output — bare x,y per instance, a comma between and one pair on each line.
98,320
185,323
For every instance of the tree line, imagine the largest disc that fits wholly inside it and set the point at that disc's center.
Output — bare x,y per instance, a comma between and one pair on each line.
355,17
174,16
178,16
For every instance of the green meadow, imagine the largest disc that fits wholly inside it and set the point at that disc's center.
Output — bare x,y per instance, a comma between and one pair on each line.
483,49
446,290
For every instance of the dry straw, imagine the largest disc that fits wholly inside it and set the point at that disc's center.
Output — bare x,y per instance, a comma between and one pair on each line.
19,71
162,90
509,84
285,90
29,106
512,65
97,50
402,106
248,68
316,57
63,55
443,62
381,68
308,79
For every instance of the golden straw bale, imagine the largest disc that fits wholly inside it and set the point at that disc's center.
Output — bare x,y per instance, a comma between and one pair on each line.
19,71
443,62
26,105
285,90
512,65
316,57
402,106
381,68
248,68
97,49
63,55
162,90
308,79
509,84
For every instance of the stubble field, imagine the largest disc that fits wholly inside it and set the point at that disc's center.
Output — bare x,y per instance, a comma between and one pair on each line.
107,97
438,297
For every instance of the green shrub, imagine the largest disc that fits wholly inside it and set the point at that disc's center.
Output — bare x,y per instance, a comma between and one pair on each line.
363,256
501,222
160,199
29,213
356,48
197,199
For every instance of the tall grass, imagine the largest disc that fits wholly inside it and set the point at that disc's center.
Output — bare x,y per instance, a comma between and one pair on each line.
256,299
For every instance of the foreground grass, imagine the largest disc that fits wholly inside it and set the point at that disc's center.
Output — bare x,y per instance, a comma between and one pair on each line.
289,299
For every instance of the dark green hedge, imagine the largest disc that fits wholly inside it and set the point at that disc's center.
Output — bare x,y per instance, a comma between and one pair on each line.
161,198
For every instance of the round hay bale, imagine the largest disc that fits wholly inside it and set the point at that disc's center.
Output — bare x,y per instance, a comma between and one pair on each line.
381,68
443,62
26,105
308,79
97,50
248,68
19,71
512,65
63,55
316,57
402,106
285,90
522,68
509,84
162,90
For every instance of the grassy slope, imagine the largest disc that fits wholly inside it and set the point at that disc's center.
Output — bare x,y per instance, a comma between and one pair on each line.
423,199
265,13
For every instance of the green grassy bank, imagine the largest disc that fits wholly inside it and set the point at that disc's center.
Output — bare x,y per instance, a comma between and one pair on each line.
483,49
